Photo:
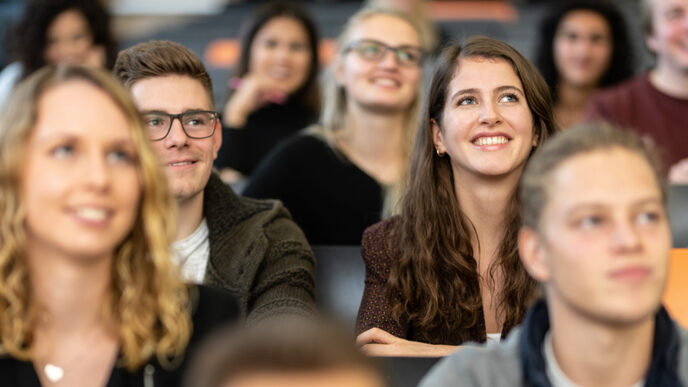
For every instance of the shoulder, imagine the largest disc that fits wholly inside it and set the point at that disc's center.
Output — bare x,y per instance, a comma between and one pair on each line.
375,244
308,141
224,208
493,364
623,90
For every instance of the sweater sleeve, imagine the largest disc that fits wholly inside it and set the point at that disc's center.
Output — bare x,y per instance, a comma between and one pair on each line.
376,307
285,281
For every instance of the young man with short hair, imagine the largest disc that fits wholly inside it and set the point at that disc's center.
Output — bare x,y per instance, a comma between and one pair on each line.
655,103
249,247
596,236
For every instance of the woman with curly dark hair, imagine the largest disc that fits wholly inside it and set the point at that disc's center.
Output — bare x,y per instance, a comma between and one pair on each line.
447,270
584,46
75,32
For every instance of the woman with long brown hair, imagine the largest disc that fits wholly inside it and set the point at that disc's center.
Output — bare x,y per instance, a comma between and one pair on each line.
88,293
447,270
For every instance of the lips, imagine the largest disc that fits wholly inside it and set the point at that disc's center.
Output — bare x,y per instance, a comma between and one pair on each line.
487,139
180,163
632,273
91,214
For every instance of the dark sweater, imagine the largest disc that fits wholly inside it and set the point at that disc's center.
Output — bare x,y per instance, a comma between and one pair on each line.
212,309
243,148
329,197
376,305
258,253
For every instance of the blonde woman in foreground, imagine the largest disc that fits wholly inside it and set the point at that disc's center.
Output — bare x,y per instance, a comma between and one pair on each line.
88,294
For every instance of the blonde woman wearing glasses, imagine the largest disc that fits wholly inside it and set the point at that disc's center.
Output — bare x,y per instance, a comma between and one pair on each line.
340,176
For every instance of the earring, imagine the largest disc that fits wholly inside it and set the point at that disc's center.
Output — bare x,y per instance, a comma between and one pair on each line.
439,154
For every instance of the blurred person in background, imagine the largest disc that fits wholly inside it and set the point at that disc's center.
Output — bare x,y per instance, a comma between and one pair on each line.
446,270
289,353
337,178
655,103
274,88
88,294
584,46
73,32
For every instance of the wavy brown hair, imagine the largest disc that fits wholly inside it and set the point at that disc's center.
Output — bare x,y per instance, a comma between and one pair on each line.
435,282
147,302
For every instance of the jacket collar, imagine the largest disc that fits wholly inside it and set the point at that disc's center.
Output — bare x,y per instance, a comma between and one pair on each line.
663,365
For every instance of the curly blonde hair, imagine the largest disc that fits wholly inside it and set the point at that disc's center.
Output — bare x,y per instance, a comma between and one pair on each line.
147,302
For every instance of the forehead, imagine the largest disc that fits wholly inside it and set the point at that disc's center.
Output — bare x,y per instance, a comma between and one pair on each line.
170,93
80,108
389,29
280,25
613,177
483,73
67,22
583,18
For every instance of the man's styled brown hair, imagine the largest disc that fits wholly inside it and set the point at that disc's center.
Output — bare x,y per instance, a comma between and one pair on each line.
157,58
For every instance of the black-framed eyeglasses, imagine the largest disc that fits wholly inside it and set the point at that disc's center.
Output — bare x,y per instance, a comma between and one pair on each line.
195,123
374,51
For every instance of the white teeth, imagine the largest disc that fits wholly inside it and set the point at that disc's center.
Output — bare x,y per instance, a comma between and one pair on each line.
385,82
490,140
180,163
90,213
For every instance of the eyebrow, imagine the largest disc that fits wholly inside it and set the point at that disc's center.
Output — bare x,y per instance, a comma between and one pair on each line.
597,205
156,111
476,91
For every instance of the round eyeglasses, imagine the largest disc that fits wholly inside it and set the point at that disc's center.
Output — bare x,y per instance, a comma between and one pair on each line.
373,50
195,123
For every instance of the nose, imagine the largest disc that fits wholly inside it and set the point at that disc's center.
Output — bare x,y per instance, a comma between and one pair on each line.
389,59
489,114
96,171
625,237
176,138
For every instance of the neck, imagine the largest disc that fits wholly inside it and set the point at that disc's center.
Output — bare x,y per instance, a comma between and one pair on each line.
571,102
485,203
375,142
189,215
70,293
669,80
594,354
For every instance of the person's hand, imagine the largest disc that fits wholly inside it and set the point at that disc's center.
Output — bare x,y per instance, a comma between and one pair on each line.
377,342
678,173
251,93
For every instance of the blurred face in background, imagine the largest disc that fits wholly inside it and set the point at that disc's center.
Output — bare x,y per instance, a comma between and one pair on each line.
582,48
281,54
375,77
669,38
69,40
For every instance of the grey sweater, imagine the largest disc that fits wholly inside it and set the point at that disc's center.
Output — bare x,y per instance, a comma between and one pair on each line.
258,253
518,360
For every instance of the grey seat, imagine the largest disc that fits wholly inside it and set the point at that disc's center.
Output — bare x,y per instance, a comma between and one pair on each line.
678,214
339,281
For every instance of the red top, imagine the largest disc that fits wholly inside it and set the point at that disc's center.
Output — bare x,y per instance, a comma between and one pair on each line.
636,104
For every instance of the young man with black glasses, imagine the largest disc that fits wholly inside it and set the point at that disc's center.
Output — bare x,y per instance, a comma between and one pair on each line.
249,247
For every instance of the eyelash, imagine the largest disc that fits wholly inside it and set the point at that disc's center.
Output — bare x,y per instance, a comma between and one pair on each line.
461,101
